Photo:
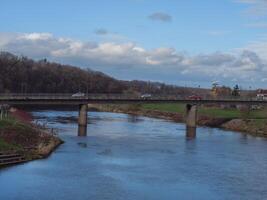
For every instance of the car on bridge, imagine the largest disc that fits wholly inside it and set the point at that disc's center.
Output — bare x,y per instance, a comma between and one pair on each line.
194,97
146,96
78,94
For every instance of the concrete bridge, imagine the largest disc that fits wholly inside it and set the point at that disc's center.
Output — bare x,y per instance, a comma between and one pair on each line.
83,101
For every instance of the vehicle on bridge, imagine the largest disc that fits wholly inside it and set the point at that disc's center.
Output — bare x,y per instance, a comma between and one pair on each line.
78,94
146,96
194,97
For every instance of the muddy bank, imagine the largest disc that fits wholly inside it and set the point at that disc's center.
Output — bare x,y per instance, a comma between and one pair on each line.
255,127
45,148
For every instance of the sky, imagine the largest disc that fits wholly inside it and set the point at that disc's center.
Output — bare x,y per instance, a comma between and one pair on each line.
181,42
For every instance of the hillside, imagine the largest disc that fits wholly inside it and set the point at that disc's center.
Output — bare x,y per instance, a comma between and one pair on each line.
20,74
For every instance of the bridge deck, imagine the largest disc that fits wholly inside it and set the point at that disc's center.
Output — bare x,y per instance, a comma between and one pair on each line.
68,99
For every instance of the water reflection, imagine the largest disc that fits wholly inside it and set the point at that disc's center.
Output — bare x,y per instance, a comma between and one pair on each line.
128,157
82,131
190,146
191,132
82,144
133,118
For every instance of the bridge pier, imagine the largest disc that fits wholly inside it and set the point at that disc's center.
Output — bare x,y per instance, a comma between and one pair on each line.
82,120
191,120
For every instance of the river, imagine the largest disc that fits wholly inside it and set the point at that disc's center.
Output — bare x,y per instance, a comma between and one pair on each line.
127,157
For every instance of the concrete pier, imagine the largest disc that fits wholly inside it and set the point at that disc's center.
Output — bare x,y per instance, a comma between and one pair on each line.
82,120
191,120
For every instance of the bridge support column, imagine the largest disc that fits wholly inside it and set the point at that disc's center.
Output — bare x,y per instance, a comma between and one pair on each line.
82,120
191,120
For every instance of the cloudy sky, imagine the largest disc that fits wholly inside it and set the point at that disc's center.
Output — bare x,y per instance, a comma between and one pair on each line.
183,42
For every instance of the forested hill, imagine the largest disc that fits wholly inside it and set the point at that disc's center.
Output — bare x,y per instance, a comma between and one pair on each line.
20,74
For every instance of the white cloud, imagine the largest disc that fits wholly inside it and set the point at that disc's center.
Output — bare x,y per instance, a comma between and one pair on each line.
36,36
140,63
259,47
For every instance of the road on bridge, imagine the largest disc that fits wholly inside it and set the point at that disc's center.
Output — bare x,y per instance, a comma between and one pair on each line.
69,99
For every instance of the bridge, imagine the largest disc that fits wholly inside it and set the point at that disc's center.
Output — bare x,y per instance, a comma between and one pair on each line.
83,100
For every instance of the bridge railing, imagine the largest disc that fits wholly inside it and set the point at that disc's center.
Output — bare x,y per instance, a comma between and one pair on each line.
102,96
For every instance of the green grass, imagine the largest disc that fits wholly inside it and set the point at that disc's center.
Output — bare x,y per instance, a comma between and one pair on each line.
11,123
209,111
260,122
220,113
4,146
179,108
5,123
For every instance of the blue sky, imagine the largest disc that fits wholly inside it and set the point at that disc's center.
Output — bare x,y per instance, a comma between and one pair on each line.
185,42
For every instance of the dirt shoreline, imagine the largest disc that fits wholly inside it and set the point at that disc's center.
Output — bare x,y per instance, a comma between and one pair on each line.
245,126
45,148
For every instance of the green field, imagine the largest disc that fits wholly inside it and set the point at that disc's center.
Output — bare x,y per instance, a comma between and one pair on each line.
6,146
209,111
14,125
6,123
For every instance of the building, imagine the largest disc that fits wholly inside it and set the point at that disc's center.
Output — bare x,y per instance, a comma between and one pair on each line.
222,91
262,95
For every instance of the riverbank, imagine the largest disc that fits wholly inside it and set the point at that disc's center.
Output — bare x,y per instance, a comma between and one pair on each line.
249,122
18,135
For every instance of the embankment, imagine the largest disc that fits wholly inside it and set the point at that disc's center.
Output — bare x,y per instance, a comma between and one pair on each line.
19,135
255,127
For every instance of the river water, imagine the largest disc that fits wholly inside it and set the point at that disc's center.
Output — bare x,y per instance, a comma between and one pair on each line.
127,157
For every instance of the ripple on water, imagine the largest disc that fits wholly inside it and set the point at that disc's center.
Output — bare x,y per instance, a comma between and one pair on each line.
127,157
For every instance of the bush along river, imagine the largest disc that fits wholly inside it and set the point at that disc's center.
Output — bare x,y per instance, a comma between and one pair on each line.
129,157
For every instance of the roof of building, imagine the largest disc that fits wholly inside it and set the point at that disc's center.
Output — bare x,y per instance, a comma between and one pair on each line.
261,91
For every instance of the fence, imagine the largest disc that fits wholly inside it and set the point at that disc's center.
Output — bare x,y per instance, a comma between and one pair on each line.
4,111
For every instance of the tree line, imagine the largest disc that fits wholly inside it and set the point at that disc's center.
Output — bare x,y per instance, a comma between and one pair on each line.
24,75
19,74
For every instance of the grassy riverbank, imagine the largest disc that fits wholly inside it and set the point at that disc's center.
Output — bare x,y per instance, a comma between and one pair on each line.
25,138
4,146
253,122
231,113
6,125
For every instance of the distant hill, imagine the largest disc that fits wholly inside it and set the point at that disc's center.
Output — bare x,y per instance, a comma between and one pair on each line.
20,74
161,88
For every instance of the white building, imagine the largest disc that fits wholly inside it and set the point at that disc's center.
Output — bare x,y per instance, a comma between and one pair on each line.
262,95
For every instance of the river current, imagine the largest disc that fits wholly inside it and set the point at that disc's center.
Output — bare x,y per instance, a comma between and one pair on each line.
129,157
